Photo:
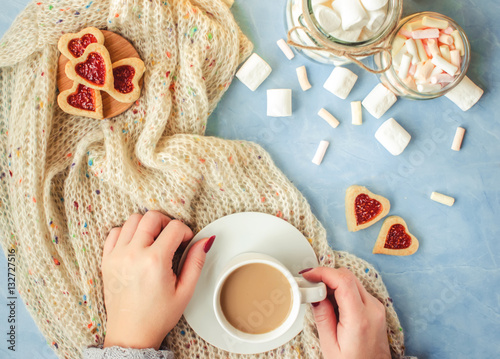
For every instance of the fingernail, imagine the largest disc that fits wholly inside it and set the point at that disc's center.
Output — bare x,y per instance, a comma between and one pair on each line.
305,270
209,243
315,304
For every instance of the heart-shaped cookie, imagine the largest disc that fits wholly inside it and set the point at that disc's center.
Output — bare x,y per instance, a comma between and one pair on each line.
81,100
395,239
126,76
93,69
364,208
73,45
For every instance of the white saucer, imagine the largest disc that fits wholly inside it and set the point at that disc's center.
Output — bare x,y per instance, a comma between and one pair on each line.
240,233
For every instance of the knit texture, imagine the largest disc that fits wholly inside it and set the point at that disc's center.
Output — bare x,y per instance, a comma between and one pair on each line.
125,353
66,181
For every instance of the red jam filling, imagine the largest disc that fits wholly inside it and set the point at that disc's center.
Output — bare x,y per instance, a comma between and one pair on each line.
93,69
366,208
123,76
397,238
83,98
77,46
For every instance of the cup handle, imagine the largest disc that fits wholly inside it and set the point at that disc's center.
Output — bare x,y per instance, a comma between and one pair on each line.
311,292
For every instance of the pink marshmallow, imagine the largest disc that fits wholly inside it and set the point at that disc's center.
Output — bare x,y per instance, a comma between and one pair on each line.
448,30
431,33
405,33
446,39
412,70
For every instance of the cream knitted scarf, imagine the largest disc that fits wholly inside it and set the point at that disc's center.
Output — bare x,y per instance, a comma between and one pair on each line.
65,181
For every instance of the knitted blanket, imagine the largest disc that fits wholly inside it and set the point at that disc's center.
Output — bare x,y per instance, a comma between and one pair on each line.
65,181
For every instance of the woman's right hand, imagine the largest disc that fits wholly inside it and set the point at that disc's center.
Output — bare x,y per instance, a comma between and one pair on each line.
360,331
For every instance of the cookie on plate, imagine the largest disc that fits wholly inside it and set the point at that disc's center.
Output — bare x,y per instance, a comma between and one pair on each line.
73,45
126,76
81,100
93,69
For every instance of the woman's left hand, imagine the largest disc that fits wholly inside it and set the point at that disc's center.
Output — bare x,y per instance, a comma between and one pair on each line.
144,298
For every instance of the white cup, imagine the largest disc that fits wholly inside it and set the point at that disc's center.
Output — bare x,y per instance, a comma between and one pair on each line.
303,291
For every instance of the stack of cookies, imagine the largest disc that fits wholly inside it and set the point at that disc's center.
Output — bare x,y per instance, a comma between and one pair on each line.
91,70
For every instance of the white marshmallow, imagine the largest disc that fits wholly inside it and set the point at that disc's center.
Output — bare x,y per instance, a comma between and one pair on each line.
328,117
347,36
375,19
320,152
253,72
421,50
327,18
379,100
285,48
303,80
372,5
340,82
397,44
444,65
466,94
457,140
426,88
445,52
442,198
352,13
455,58
356,114
459,44
279,102
428,21
412,50
404,67
393,137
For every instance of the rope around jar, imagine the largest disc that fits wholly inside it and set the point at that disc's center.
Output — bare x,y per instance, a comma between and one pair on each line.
340,52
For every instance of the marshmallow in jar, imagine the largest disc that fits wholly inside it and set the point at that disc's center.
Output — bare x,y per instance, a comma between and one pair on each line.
430,56
348,23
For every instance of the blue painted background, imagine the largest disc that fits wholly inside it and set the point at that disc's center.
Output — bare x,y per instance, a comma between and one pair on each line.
447,294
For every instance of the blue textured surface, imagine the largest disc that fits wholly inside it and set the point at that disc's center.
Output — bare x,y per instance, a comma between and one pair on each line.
447,294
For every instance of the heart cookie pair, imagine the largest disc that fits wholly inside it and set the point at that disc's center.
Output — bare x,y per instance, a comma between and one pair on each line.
364,208
91,70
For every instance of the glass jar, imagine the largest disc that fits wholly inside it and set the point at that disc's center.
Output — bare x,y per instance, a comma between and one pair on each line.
391,79
295,16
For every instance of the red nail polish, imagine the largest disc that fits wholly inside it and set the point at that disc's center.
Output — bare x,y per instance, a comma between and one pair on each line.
209,243
315,304
305,270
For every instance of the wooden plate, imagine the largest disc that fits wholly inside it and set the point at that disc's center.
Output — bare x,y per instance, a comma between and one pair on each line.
118,48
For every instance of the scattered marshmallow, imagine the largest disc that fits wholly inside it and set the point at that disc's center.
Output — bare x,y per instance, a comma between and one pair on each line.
286,49
253,72
442,198
327,18
393,137
352,13
459,137
357,116
328,117
466,94
279,102
302,76
379,100
341,81
320,152
428,21
372,5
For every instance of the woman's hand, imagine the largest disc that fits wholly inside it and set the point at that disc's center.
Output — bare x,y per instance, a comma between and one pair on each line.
144,298
360,331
